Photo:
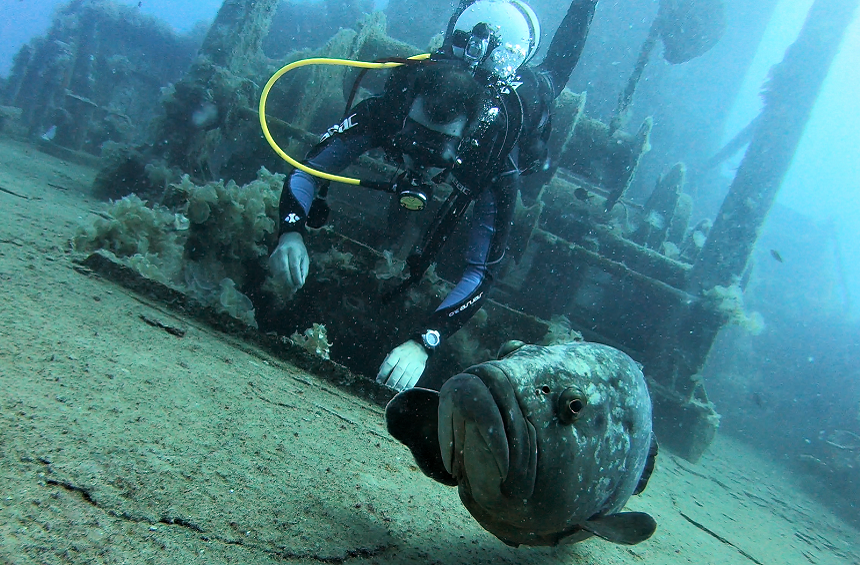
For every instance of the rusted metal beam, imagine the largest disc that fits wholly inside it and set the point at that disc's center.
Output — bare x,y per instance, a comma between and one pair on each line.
789,97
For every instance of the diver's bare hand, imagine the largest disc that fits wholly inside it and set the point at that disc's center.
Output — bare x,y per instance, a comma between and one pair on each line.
403,366
289,261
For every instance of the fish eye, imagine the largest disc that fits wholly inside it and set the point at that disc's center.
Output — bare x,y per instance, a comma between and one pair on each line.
571,403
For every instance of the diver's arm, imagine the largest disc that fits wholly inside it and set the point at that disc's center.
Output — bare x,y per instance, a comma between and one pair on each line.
536,97
368,125
331,156
289,261
488,236
340,145
567,43
540,86
405,364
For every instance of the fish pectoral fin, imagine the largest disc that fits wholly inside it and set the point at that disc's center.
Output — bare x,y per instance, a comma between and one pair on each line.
628,528
649,465
411,417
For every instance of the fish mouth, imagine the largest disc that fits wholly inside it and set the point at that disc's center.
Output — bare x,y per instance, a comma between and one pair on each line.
483,433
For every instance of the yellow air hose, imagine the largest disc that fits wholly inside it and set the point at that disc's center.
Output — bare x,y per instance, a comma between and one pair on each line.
316,61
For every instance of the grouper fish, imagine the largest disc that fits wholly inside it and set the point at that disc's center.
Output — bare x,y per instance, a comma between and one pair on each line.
545,444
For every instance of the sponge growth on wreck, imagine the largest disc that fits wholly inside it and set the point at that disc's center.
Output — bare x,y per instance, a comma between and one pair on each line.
209,245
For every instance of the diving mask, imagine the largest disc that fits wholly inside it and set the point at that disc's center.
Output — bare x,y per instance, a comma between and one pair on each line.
429,147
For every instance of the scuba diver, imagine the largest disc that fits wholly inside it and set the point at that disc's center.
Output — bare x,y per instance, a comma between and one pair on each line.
472,115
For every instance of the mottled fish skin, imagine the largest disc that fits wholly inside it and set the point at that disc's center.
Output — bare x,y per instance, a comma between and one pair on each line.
537,479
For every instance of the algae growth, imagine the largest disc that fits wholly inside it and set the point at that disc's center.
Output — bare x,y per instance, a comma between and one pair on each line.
210,245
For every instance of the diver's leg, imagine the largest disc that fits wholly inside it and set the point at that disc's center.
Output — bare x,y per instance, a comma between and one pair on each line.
567,43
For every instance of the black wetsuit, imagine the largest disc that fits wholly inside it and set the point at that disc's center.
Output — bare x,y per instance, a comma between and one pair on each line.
507,138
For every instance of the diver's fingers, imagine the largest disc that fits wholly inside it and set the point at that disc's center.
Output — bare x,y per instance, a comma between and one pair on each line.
403,366
280,268
396,379
298,266
387,366
305,264
406,373
411,374
276,264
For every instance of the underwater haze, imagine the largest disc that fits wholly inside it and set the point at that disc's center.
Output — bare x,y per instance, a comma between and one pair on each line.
133,427
24,19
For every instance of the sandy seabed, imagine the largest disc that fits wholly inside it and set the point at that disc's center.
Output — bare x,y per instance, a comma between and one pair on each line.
123,443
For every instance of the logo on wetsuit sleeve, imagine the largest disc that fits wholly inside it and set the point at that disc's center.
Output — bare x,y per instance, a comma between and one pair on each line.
339,128
464,306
